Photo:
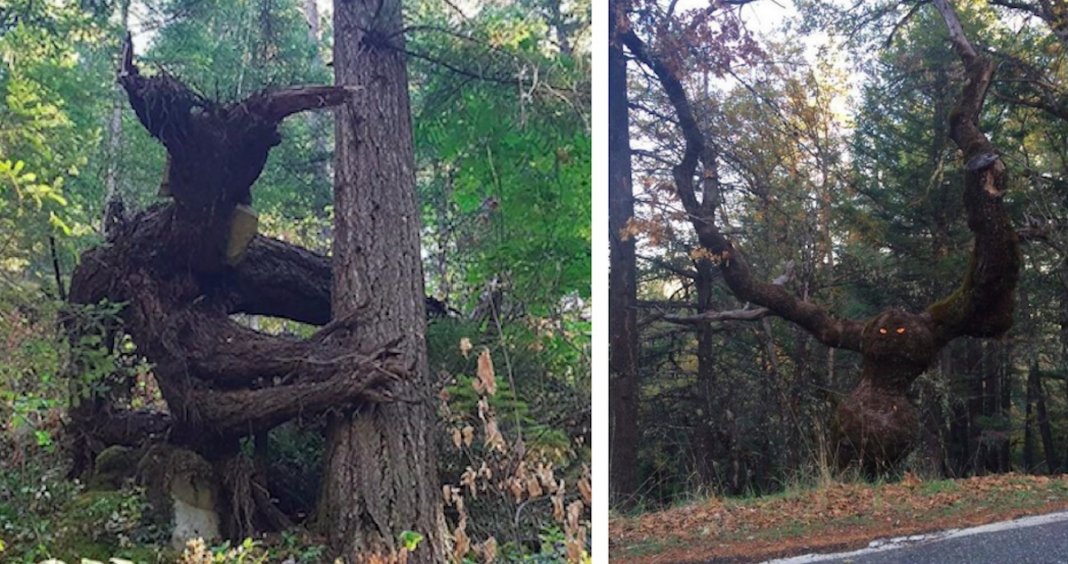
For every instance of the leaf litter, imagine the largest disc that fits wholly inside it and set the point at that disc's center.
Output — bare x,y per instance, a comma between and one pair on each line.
838,516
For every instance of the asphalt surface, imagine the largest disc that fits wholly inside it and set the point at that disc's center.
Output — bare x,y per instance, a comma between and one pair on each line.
1039,540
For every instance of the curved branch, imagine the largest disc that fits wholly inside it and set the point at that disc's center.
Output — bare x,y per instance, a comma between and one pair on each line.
244,412
956,32
224,354
281,280
982,305
828,329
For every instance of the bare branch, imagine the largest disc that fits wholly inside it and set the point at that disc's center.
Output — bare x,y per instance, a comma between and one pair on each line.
719,316
908,16
281,280
956,32
1029,8
276,105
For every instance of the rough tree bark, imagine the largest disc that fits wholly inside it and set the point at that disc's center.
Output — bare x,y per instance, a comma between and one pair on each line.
182,267
381,471
876,423
622,283
710,435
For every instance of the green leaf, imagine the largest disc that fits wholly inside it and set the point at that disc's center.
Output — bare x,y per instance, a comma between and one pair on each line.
410,540
59,224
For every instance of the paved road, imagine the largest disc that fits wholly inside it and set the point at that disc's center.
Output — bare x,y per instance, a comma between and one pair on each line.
1032,540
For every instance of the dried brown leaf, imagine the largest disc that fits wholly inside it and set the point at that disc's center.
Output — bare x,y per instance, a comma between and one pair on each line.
545,475
558,507
461,543
515,485
494,439
574,550
574,512
485,372
468,479
534,488
489,550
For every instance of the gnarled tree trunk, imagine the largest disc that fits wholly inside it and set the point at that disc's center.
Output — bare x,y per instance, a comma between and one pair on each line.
181,268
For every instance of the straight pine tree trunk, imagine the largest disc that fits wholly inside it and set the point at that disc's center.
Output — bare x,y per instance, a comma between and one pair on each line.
622,287
380,470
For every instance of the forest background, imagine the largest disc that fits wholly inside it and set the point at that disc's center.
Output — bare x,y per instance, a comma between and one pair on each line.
500,105
837,178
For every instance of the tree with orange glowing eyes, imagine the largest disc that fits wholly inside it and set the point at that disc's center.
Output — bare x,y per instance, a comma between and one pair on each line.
876,422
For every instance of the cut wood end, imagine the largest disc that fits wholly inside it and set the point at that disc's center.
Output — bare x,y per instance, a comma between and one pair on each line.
243,228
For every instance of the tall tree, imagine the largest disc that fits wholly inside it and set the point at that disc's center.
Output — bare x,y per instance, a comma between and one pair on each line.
877,421
112,196
381,473
622,280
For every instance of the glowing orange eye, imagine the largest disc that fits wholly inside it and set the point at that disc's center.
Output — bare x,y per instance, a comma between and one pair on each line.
882,330
900,330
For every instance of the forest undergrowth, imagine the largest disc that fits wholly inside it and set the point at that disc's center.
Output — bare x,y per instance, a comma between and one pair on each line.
515,482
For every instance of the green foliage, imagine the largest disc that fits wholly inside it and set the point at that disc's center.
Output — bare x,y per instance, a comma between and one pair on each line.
32,395
410,540
507,158
30,502
301,549
102,525
46,136
42,515
507,166
533,375
551,548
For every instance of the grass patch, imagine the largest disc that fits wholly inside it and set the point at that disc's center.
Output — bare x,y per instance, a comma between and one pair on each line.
938,486
652,547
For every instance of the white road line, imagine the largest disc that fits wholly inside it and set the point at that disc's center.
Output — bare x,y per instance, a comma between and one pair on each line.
894,543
